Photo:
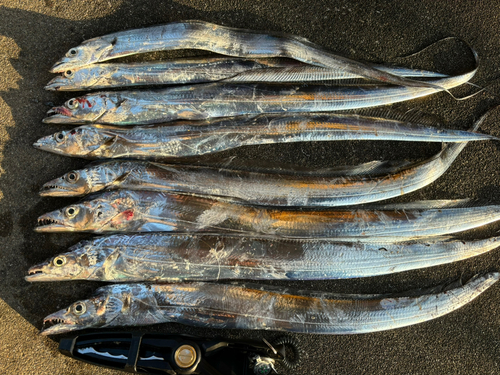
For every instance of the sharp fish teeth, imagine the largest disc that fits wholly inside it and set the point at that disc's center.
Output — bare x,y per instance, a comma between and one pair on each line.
42,222
54,187
53,321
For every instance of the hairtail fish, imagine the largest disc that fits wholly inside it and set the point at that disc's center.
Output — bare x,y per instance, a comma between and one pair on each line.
162,257
183,139
147,211
268,189
218,305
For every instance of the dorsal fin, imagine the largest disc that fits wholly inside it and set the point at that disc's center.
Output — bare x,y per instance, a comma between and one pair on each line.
424,205
413,116
410,293
375,167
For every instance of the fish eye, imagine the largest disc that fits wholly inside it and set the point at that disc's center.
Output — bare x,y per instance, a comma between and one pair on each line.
72,52
59,137
59,261
68,73
72,104
79,308
71,211
72,177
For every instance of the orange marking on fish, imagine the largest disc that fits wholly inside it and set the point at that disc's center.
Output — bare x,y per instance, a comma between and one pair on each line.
244,263
313,97
341,216
302,125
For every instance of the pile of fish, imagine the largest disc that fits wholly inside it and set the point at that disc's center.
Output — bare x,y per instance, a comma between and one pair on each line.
175,230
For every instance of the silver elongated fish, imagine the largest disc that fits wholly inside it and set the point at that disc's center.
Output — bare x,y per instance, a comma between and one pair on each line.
219,39
174,72
90,179
213,100
256,188
201,70
146,211
182,139
241,307
181,257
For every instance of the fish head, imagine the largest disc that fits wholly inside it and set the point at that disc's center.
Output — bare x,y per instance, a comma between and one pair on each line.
72,184
80,110
88,180
76,79
84,261
98,311
81,141
89,52
91,215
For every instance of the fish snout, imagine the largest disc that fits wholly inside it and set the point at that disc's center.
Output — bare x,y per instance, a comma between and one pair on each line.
58,323
48,144
51,222
56,188
61,110
36,273
56,83
61,115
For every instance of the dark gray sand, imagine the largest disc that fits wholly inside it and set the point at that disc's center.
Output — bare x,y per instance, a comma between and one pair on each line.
33,35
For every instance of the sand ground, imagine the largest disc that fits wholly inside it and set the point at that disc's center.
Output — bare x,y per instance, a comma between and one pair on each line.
34,34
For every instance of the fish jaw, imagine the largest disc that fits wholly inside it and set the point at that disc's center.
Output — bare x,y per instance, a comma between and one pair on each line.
47,144
62,323
37,273
41,144
52,189
44,272
62,115
53,222
59,188
56,83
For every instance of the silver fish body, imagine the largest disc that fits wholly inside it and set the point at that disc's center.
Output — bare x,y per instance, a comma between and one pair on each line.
268,189
182,71
240,307
219,39
180,257
182,139
145,211
213,100
202,70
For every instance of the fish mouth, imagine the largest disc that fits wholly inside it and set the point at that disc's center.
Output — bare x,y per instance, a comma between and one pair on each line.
36,273
47,223
61,110
56,83
48,144
50,189
61,115
38,144
56,324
